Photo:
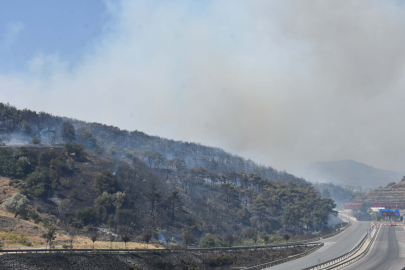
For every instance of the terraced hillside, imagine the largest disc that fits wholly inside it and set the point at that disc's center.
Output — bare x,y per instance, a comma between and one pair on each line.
389,195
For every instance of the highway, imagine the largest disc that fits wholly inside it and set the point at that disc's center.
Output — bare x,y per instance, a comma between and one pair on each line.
387,253
334,247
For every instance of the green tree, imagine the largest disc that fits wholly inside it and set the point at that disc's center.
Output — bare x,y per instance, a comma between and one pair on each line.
87,215
22,166
73,148
211,240
17,204
86,137
68,132
94,238
390,184
104,181
174,204
35,217
50,234
286,237
38,181
20,152
147,237
291,215
187,238
125,238
259,206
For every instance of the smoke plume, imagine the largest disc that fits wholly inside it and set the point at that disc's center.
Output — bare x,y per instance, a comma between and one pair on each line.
286,83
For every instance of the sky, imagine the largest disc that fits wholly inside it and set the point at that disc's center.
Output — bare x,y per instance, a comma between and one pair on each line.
285,83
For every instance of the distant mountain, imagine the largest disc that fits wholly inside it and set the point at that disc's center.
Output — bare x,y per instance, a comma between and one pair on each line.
348,172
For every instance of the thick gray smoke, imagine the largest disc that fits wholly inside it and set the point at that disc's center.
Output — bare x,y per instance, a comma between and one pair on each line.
287,83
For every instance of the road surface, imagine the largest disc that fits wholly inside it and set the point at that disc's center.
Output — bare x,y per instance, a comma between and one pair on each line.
334,247
387,253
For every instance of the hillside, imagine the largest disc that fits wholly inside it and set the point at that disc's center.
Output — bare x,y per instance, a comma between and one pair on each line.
340,194
91,177
83,191
348,172
21,126
392,194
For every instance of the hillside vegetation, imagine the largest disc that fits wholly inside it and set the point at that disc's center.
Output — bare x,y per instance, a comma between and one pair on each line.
138,185
22,126
339,193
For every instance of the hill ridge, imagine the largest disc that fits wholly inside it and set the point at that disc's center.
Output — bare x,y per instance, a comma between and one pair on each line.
348,172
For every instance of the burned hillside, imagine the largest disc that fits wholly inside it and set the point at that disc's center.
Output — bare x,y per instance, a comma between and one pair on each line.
88,175
81,189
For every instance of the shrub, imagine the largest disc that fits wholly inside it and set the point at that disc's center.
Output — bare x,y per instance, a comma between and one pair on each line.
40,175
21,152
22,166
24,241
104,181
36,218
249,233
211,240
87,215
72,147
17,204
39,190
60,166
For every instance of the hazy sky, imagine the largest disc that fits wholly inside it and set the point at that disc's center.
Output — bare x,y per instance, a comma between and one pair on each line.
286,83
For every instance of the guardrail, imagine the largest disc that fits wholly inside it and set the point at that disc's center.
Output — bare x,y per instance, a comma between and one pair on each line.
291,258
346,255
340,258
294,257
112,251
309,242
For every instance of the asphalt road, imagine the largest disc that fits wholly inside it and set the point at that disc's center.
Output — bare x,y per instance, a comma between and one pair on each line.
334,247
387,253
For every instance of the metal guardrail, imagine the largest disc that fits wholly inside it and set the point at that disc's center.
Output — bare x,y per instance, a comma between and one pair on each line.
291,258
218,249
114,251
319,245
340,258
346,255
356,258
309,242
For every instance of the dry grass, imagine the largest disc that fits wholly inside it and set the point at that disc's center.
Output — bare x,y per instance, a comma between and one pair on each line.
6,191
85,242
17,233
15,240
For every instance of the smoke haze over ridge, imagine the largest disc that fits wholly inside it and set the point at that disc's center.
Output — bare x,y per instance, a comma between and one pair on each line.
286,83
